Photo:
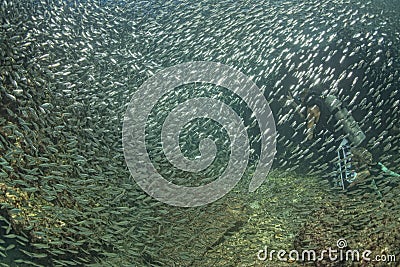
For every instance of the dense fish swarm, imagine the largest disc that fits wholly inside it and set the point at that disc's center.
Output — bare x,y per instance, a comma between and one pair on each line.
69,68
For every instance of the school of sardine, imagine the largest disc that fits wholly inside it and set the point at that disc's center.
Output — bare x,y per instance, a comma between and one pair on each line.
69,69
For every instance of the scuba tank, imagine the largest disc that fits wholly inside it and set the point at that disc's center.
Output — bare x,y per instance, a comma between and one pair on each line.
354,133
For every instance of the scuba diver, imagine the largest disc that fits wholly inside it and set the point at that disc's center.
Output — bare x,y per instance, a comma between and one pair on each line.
352,162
